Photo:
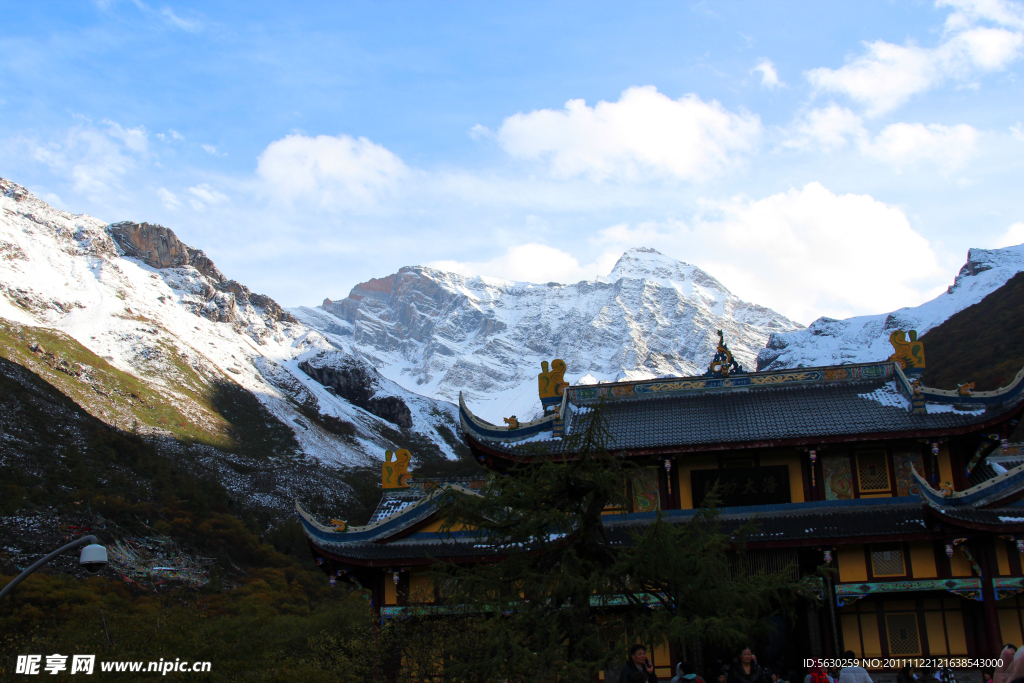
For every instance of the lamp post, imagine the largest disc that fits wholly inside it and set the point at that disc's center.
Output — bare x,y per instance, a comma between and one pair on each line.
93,558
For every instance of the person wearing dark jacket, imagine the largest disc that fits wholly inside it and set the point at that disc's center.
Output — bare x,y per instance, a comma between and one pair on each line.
638,663
746,669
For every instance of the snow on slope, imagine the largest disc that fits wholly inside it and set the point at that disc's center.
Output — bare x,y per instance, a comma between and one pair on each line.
169,325
437,333
866,338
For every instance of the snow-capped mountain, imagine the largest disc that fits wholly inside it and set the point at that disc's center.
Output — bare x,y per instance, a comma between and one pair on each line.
866,338
146,333
439,333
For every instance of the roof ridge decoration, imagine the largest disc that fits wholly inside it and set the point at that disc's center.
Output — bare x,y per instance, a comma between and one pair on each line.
986,493
395,473
383,528
652,388
551,384
723,364
487,431
909,355
954,396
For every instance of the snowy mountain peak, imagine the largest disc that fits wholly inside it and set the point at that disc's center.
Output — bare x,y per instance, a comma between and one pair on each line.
439,333
645,263
865,338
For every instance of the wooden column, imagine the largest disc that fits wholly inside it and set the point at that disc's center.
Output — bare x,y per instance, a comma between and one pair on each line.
987,561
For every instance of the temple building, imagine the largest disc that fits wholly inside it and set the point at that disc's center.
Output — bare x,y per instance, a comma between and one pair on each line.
913,495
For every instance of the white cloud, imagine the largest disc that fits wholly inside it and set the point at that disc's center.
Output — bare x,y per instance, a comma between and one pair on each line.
884,78
168,198
968,12
907,143
1013,236
1018,131
805,252
95,158
532,262
209,149
887,75
643,132
175,20
203,195
825,129
769,76
331,170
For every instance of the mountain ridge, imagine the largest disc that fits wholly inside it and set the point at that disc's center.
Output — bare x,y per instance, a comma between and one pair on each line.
439,333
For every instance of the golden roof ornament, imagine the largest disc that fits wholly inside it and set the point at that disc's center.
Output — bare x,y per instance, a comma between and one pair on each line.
396,473
723,364
909,354
551,383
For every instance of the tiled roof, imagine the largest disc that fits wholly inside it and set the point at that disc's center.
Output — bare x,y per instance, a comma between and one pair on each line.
393,501
824,520
770,414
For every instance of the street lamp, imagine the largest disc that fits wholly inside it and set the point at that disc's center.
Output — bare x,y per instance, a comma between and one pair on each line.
92,559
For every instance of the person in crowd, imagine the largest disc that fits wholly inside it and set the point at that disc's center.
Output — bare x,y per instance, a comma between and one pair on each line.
1005,660
906,675
638,677
638,663
817,674
853,674
686,673
723,674
746,669
1016,668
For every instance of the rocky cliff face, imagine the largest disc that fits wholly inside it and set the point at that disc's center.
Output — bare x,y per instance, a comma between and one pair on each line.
865,338
159,247
358,384
439,333
143,330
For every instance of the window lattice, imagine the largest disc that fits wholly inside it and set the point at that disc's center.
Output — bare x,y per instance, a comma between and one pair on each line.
903,635
888,562
872,471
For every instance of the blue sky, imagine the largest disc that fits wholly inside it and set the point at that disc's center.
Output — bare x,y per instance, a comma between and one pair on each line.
818,158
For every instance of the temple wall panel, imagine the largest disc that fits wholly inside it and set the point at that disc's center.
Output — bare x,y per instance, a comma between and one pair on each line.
390,590
684,467
922,560
959,565
945,464
421,587
910,627
435,525
1002,558
852,564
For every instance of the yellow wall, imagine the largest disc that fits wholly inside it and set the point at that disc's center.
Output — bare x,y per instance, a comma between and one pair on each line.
945,467
935,633
852,566
851,634
421,587
435,525
1009,625
955,631
869,631
922,560
684,465
390,590
1003,559
959,564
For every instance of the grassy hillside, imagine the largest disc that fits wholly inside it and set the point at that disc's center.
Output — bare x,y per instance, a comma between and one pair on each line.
62,472
189,405
981,344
